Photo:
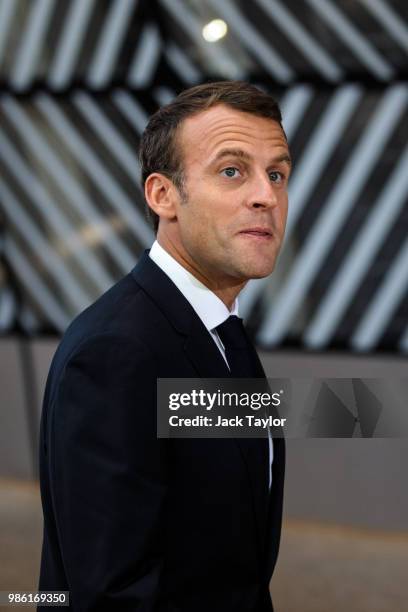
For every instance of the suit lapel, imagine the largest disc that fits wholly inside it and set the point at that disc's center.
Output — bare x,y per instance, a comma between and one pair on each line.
208,362
203,352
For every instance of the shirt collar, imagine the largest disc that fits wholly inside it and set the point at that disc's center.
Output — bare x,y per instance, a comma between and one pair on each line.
208,306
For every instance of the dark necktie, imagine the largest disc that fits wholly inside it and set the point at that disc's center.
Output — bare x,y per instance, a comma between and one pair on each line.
243,362
241,355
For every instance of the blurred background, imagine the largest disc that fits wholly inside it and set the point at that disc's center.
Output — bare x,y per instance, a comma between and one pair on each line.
78,81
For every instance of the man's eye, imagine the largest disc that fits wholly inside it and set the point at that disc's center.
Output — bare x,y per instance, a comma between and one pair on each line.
231,172
276,177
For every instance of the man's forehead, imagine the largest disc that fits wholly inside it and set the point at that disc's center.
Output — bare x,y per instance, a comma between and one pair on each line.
219,125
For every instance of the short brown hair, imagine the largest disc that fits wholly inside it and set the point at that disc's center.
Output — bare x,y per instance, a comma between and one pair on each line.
159,152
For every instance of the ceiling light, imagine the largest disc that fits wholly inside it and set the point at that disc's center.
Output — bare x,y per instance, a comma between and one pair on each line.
214,30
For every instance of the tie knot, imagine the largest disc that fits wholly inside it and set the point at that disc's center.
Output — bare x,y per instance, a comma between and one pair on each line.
232,333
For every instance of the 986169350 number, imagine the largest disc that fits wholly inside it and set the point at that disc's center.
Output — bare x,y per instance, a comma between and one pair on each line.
32,598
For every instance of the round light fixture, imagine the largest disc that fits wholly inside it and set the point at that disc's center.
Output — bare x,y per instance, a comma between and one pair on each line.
214,30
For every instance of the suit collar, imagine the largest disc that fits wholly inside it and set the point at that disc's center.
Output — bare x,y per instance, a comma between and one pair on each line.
164,293
199,345
207,305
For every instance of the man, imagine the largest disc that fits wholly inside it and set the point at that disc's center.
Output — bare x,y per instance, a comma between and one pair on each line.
137,523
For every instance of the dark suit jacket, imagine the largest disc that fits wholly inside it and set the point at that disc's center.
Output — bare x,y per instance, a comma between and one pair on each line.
133,522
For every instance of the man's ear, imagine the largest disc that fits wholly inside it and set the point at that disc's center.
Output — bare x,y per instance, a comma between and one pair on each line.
161,195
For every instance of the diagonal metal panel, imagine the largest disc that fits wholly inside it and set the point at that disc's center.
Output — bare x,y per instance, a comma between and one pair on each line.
75,195
319,148
182,65
217,56
42,201
392,290
293,106
7,10
333,214
50,259
31,41
109,135
131,109
301,38
63,63
34,285
86,157
144,63
96,169
391,22
111,38
263,50
101,49
360,45
358,260
163,95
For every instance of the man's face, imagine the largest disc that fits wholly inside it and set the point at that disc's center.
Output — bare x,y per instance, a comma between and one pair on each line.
236,167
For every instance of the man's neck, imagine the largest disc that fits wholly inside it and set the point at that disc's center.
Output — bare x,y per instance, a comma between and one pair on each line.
226,290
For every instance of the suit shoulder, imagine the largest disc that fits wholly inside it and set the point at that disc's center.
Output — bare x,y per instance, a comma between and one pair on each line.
115,318
118,310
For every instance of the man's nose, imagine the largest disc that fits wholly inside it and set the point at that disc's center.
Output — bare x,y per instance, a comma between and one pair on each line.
262,193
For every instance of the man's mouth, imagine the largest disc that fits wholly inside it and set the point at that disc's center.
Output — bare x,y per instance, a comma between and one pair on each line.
257,232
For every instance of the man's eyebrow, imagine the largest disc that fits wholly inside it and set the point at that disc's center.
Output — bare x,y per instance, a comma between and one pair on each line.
232,153
283,158
244,155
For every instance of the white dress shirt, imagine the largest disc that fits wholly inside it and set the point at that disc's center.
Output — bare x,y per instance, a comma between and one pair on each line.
208,306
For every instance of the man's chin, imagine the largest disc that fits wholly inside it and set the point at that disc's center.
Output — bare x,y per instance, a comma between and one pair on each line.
256,275
257,271
257,264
